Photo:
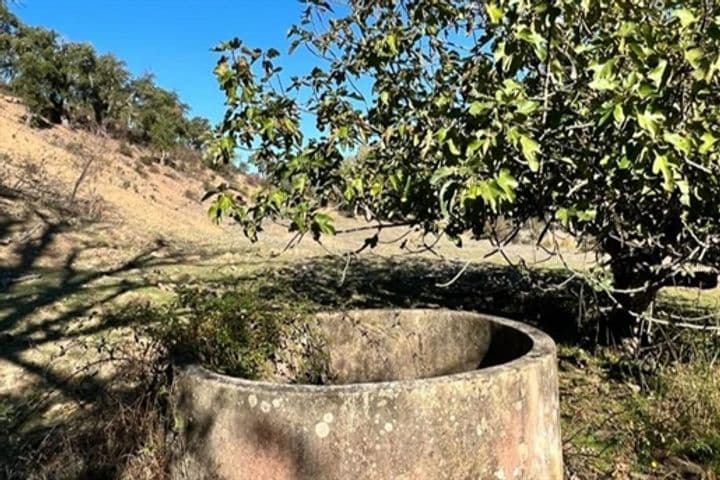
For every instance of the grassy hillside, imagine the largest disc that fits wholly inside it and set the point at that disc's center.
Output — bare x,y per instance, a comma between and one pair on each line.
114,186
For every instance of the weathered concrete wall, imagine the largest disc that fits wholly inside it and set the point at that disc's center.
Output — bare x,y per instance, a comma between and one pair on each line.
384,345
499,422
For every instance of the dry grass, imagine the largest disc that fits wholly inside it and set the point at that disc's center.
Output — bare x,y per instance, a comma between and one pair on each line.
614,429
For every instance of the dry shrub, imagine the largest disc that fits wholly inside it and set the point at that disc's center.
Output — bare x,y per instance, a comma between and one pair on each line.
254,180
76,148
191,195
187,160
125,150
141,171
147,160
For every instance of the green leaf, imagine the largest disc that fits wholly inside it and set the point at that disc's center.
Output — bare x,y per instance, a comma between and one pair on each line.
563,215
681,143
650,121
489,193
684,188
708,141
604,70
507,183
225,203
510,86
619,113
214,213
587,215
453,148
631,81
656,75
441,134
627,29
277,198
602,84
530,149
686,16
533,38
324,223
442,173
446,206
604,78
528,106
693,56
645,90
477,108
662,164
299,182
499,52
475,145
353,188
495,13
392,42
624,163
395,180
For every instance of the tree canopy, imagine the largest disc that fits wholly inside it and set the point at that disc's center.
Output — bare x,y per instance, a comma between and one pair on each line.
62,81
599,117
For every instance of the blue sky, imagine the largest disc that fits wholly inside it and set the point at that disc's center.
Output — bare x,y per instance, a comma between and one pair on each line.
171,38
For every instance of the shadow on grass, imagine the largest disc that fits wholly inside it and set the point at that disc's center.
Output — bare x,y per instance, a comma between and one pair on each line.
541,297
45,316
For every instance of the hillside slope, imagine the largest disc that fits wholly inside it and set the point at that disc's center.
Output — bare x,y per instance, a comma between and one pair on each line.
106,191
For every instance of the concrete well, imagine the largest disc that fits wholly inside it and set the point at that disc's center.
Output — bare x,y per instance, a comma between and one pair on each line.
415,394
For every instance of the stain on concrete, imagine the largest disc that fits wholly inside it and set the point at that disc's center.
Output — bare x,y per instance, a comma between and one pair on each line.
498,421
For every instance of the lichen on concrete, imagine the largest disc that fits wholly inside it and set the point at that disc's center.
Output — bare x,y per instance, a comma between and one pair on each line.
491,411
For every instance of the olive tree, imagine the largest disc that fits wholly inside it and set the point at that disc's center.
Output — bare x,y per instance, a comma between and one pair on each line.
599,117
107,90
8,26
157,116
38,72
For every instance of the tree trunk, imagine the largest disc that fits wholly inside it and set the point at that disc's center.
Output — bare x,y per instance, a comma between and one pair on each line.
99,109
54,115
637,288
56,112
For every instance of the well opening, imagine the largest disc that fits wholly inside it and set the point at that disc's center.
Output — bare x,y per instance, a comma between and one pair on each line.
390,345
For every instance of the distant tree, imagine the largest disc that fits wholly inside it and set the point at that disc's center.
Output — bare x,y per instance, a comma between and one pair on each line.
111,93
78,63
8,28
157,115
600,117
39,76
66,81
197,132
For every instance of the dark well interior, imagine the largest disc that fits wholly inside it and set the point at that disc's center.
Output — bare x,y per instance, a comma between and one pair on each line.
385,345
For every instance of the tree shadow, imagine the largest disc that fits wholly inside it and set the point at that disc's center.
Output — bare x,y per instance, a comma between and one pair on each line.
43,319
545,298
